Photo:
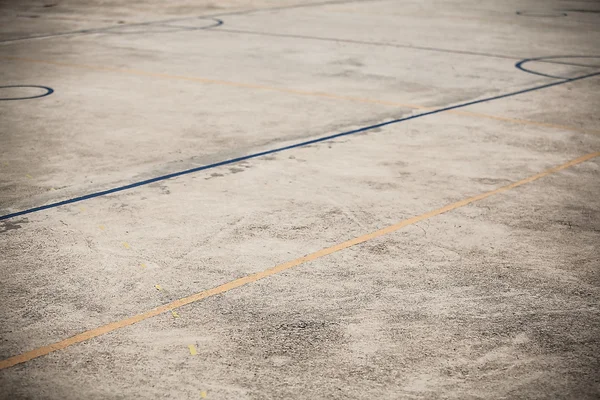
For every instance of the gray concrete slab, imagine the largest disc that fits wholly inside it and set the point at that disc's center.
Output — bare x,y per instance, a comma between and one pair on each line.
494,299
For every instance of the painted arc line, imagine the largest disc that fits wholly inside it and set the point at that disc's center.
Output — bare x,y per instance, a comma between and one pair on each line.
113,326
520,64
48,92
281,149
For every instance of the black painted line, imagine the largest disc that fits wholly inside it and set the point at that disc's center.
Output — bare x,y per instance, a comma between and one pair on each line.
280,149
520,64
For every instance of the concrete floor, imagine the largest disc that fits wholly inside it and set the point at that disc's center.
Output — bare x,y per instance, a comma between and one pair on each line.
494,297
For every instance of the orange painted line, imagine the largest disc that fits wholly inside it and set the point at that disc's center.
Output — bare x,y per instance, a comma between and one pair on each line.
294,91
102,330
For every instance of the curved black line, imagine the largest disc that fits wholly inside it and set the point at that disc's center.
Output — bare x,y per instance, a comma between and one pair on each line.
49,91
520,64
280,149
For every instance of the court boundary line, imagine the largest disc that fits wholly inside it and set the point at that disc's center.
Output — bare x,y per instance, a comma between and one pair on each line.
283,148
123,323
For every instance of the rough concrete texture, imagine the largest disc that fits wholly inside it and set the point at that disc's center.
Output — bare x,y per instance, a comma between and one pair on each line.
498,299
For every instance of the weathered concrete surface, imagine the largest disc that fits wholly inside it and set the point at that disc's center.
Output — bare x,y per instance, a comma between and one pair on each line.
497,299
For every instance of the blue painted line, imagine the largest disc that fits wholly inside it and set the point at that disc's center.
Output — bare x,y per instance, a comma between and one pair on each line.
48,90
280,149
520,64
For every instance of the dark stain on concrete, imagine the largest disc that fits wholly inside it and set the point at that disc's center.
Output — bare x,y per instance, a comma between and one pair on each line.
10,225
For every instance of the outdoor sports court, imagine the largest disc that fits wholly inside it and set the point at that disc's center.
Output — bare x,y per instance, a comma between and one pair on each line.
261,199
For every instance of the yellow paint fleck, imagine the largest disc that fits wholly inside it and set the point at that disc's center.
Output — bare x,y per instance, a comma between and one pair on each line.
82,208
175,315
101,227
158,287
126,245
29,176
52,189
143,265
203,394
192,349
